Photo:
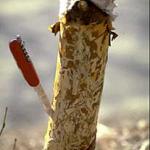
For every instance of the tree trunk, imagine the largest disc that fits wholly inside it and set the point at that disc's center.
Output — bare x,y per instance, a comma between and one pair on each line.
83,52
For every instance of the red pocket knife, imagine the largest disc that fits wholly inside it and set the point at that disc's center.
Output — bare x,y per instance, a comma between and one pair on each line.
23,61
26,66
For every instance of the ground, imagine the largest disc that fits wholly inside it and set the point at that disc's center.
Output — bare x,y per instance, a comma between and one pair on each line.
130,135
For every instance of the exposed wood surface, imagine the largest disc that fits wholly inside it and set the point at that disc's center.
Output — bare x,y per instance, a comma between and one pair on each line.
78,85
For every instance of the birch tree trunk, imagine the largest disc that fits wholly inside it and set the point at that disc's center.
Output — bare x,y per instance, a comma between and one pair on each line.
83,52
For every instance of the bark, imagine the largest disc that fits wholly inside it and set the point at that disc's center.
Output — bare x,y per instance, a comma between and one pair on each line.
78,85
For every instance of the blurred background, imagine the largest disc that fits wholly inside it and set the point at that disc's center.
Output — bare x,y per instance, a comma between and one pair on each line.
126,90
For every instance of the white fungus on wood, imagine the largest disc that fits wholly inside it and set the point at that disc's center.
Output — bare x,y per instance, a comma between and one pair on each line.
106,6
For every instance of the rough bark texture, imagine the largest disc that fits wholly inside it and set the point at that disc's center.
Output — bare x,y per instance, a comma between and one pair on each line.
78,81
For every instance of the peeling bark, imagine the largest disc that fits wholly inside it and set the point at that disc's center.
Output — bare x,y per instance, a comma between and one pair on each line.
78,85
